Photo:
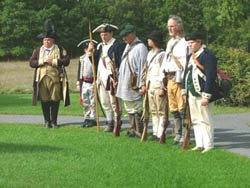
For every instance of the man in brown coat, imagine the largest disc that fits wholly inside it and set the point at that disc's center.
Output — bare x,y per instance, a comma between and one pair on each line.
50,79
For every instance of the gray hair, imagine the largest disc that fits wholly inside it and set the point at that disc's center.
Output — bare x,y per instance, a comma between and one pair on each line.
178,22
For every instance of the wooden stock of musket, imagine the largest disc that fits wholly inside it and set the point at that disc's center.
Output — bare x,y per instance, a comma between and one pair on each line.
95,86
145,115
185,145
145,118
162,139
117,126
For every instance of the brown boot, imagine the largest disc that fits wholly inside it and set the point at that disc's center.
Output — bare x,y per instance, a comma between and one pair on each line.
139,125
110,126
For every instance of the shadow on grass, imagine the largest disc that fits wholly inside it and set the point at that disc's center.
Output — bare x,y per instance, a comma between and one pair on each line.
227,139
25,148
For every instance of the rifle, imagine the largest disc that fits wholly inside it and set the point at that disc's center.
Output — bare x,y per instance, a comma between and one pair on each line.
95,86
145,115
117,127
188,126
162,139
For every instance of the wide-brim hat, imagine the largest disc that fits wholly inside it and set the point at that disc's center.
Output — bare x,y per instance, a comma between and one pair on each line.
127,29
103,28
85,43
194,36
156,36
49,30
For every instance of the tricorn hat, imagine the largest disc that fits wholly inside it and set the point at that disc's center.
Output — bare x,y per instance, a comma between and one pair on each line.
127,29
156,36
105,28
49,30
193,36
85,43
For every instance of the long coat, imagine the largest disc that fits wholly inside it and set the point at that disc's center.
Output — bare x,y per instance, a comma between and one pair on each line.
61,63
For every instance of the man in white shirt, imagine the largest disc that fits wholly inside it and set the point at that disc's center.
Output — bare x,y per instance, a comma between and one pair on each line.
175,61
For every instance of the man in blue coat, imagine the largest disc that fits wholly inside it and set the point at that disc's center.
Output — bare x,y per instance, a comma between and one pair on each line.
198,83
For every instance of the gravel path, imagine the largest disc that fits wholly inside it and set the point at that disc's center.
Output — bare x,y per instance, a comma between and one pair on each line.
232,132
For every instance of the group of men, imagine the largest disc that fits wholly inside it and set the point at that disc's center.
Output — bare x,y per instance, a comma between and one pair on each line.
183,73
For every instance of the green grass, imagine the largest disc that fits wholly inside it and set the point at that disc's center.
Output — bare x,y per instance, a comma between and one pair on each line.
32,156
21,104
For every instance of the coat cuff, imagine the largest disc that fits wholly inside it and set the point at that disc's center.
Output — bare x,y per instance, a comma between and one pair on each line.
206,95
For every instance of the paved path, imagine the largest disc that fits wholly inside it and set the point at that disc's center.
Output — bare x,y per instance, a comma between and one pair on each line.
232,131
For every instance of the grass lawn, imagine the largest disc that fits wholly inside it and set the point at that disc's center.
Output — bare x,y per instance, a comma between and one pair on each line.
31,156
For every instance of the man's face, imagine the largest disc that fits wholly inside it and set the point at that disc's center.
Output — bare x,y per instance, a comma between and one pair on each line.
129,38
173,28
150,43
106,36
194,45
48,42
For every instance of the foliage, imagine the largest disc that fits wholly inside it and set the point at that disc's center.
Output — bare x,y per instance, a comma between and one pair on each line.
223,22
235,62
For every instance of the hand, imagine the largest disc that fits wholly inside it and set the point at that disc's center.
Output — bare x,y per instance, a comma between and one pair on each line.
48,61
184,97
161,92
143,90
78,88
204,102
91,47
115,84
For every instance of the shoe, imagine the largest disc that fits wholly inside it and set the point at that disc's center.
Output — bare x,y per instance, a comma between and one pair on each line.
196,148
175,143
84,123
155,138
109,128
90,123
54,125
180,143
206,150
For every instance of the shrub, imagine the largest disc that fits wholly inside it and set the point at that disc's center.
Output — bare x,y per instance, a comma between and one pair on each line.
236,63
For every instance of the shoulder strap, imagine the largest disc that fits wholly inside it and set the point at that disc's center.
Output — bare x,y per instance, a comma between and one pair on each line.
159,51
131,47
197,62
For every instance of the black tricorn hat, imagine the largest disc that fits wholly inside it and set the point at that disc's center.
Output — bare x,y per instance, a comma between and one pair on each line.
194,36
105,28
49,30
85,43
156,36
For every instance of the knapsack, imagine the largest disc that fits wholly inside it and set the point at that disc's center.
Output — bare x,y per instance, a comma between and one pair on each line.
222,86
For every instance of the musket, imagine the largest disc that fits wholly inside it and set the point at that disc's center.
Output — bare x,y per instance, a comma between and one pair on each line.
117,127
162,139
188,126
145,115
187,116
95,85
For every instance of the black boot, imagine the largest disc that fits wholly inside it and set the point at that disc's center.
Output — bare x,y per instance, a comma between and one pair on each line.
46,114
54,113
